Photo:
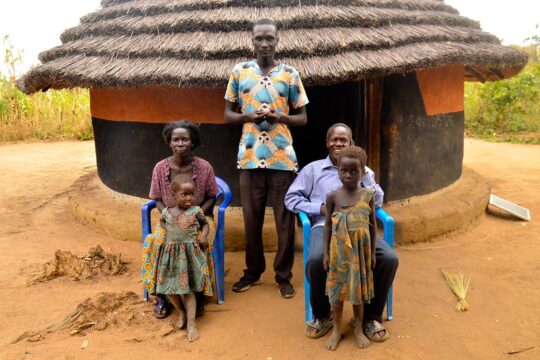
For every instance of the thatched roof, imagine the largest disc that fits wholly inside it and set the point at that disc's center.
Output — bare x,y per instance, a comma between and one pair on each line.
139,43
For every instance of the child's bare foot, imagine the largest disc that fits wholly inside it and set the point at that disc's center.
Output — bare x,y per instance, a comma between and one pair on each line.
332,343
192,333
181,319
361,340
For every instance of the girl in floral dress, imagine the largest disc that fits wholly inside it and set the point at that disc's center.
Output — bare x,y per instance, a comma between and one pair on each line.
183,267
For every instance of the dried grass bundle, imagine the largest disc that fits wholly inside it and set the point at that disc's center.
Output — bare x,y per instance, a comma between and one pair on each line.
459,286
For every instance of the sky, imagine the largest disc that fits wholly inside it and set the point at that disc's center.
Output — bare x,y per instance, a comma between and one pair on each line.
35,25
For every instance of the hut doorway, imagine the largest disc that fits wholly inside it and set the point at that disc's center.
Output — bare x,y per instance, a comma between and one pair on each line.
356,104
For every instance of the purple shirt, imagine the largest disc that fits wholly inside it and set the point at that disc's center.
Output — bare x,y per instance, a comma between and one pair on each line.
310,188
203,176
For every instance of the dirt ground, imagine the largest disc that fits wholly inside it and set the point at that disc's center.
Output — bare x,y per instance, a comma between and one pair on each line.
500,254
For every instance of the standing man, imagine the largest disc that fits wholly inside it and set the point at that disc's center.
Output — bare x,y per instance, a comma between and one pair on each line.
266,98
308,194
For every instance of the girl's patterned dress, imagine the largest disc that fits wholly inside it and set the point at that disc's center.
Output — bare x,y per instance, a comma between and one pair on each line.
153,248
350,277
183,267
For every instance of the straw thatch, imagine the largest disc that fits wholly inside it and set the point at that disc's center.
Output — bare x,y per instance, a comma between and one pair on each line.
139,43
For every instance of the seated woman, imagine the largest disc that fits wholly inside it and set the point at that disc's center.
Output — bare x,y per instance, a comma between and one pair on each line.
182,137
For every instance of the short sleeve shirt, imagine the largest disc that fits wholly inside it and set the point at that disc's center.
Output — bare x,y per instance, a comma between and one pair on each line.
203,177
265,145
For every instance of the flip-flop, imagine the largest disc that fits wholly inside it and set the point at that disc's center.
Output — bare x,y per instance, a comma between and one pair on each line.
372,327
160,310
318,328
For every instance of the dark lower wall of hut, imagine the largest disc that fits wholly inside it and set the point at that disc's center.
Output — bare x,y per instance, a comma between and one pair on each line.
419,153
127,151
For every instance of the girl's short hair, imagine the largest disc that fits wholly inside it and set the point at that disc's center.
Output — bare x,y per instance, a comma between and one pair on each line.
179,180
354,152
194,131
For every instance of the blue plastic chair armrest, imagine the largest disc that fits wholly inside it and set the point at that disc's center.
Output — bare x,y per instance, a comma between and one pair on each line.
388,225
146,219
219,243
225,191
306,233
306,223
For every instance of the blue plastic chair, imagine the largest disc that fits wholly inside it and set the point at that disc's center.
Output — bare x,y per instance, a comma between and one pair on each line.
388,226
219,243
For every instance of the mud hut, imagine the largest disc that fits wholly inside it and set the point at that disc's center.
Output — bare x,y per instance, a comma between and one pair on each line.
392,69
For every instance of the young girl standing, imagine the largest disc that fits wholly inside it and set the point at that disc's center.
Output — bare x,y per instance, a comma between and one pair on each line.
183,267
349,244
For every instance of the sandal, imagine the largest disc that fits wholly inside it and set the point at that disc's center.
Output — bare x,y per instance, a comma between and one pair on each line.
161,308
318,328
372,327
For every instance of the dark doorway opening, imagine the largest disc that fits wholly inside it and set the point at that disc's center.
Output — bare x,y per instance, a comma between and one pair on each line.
352,103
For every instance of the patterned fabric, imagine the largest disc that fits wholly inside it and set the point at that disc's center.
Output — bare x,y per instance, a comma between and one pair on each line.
203,176
183,266
152,247
266,145
212,229
350,277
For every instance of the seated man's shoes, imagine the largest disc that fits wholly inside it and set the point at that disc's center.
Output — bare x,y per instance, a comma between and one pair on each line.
375,331
318,328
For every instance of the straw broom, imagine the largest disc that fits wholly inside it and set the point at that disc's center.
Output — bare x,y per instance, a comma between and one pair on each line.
459,286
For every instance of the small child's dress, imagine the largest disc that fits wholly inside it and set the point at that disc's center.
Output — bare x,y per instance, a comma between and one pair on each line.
183,267
350,277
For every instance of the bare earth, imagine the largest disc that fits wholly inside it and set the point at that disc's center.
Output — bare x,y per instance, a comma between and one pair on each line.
500,254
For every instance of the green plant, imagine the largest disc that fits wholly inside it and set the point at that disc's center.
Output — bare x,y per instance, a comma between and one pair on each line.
534,40
12,56
507,110
508,106
54,115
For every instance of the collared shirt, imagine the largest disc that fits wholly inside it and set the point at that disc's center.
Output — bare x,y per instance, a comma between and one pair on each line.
203,177
266,145
310,188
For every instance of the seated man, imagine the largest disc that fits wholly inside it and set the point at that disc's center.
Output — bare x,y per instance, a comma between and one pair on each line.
308,193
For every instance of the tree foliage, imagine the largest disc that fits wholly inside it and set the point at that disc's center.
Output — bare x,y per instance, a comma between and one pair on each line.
506,106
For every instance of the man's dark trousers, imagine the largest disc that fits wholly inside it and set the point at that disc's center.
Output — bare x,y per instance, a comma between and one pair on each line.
383,276
256,187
